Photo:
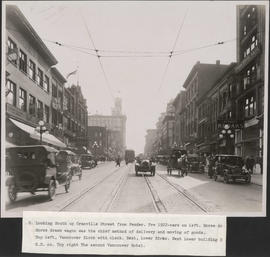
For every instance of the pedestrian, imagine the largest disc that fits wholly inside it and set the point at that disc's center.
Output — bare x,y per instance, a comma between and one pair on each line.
118,161
252,163
184,164
248,163
211,164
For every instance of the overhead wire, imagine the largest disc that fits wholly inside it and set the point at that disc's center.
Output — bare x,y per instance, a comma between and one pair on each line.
171,53
98,56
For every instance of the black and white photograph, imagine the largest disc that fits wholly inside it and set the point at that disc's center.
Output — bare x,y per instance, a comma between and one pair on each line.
134,107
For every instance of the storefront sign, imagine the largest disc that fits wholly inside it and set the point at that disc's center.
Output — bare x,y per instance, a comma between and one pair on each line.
230,124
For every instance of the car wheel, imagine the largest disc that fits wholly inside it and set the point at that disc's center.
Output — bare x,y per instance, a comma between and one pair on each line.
215,177
136,173
226,179
12,193
67,185
51,189
248,179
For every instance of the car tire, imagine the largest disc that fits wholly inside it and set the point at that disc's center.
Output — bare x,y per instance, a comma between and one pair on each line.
67,186
12,193
248,179
136,173
51,190
226,179
215,177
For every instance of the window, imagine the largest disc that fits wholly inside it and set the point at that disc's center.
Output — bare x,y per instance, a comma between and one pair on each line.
245,30
40,109
32,105
54,116
23,61
54,90
230,90
32,70
47,114
22,99
11,93
47,84
40,77
12,48
250,106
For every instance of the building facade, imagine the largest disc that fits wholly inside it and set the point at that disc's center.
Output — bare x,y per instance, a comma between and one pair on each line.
115,127
199,80
28,82
75,117
250,79
150,138
216,108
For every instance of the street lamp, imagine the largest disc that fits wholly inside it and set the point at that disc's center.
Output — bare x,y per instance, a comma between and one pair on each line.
41,129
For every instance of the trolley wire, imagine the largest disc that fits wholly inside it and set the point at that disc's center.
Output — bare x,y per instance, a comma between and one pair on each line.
171,53
98,56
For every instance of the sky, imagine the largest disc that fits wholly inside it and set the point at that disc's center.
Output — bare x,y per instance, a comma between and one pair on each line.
133,26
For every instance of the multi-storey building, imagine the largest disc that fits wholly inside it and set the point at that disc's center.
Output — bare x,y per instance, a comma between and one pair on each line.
57,103
158,141
75,117
28,82
250,79
150,138
216,108
97,140
199,80
179,130
115,126
167,128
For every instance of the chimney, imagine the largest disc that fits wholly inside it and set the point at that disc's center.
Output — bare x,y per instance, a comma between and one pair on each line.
217,62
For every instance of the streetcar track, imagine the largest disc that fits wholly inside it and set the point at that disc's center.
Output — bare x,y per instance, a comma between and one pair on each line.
108,205
87,190
185,194
158,205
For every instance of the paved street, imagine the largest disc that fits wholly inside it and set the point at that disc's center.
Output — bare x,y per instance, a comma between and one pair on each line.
107,188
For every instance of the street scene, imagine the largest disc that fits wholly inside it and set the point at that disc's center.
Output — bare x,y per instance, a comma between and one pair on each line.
108,188
134,108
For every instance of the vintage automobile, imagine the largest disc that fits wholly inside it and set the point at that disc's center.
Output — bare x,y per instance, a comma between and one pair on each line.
87,161
34,168
195,163
145,166
230,167
67,159
176,162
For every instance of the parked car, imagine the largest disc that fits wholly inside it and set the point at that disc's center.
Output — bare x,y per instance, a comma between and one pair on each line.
35,168
195,163
145,166
69,160
230,167
87,160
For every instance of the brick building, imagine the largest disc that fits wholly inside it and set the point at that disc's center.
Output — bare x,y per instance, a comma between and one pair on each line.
250,79
199,80
28,82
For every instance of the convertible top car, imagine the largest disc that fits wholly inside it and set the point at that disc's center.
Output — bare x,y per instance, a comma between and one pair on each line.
145,166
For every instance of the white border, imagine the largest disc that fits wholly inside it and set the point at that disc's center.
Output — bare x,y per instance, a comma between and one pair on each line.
265,136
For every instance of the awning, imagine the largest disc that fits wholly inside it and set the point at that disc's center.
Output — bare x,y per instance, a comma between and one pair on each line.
48,138
8,144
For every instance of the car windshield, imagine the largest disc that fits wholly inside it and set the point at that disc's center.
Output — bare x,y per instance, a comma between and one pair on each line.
86,158
231,160
193,159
